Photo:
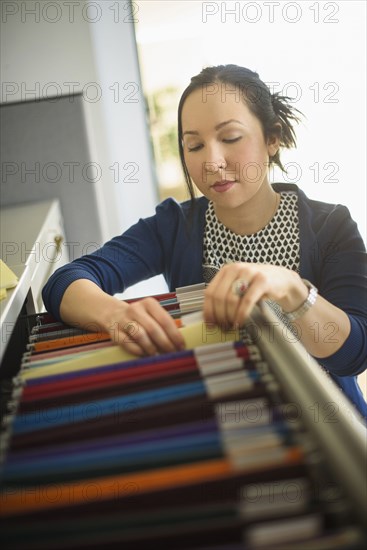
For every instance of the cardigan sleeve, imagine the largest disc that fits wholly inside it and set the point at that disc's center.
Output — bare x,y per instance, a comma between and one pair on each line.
168,243
342,270
134,256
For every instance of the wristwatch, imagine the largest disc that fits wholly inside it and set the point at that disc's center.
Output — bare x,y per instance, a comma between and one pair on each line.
307,304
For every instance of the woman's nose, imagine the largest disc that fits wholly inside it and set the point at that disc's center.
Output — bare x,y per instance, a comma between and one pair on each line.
215,161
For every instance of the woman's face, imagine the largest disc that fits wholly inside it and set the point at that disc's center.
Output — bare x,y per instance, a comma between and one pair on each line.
224,147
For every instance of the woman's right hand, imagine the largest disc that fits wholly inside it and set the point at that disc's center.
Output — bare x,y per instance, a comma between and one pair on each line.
143,327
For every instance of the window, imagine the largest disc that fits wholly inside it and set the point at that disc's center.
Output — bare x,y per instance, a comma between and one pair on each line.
312,51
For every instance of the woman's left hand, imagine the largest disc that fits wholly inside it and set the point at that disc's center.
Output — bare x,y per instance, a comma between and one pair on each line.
237,287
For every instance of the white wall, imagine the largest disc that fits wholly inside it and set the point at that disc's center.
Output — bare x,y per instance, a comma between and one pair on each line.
54,48
123,108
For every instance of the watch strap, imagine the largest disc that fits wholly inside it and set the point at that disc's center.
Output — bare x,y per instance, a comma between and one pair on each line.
307,304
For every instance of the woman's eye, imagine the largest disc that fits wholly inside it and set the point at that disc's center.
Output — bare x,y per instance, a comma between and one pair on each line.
232,140
194,148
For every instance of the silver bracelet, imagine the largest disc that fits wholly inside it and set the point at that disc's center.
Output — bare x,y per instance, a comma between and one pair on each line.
307,304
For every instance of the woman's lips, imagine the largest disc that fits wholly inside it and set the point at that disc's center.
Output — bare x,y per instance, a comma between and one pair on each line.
222,186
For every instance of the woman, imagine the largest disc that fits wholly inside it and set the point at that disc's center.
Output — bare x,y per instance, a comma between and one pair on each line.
248,239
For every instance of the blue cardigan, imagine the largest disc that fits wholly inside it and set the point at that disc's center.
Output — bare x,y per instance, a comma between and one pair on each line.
332,256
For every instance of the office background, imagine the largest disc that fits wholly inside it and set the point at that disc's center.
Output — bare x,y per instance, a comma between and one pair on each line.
90,91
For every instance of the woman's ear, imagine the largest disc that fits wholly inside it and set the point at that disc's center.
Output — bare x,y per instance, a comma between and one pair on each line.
273,141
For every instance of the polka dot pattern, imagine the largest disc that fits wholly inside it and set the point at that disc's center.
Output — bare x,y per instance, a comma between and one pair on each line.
277,243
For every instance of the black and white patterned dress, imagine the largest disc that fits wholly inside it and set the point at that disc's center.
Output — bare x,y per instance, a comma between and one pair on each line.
277,243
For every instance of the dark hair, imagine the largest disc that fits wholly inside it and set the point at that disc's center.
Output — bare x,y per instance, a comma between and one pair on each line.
270,109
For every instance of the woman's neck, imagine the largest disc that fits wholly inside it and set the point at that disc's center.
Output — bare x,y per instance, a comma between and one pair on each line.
253,215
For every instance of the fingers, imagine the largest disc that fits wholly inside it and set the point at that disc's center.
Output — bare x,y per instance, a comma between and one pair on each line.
223,295
232,294
146,329
255,292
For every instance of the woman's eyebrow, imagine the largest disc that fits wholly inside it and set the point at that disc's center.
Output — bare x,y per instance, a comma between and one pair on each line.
191,132
221,124
217,127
